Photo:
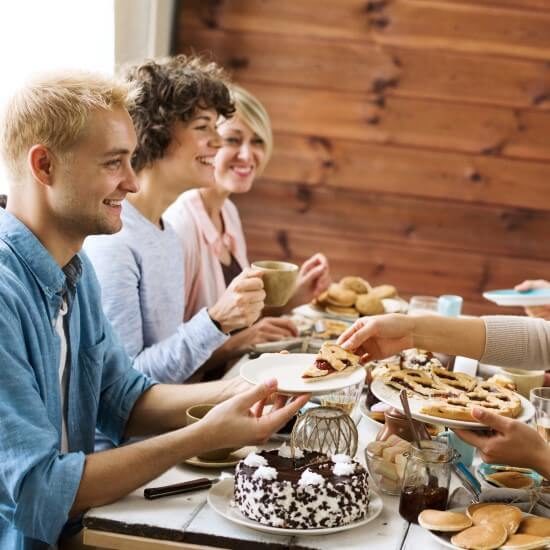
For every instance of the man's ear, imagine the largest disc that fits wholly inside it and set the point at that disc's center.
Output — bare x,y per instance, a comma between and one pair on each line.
40,161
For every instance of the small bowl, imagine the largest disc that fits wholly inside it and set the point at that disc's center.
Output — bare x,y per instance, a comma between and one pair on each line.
388,484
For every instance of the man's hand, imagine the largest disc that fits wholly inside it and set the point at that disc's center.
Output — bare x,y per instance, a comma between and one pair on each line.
379,336
241,303
513,443
536,311
240,421
313,278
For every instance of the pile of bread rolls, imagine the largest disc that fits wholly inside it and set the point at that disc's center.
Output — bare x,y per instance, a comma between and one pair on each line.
353,296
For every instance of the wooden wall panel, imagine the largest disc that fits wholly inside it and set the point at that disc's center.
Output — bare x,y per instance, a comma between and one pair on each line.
528,5
409,122
405,221
413,270
413,23
462,27
358,67
327,19
411,136
364,166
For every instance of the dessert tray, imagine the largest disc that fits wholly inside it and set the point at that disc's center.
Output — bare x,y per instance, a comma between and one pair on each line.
288,368
391,396
220,498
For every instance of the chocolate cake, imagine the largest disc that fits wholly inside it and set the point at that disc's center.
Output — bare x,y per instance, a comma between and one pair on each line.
310,491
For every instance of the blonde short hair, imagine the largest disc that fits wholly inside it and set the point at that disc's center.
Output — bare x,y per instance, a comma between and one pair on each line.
53,110
253,113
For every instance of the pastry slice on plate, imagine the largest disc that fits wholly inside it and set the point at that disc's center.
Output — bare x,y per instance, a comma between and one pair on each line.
332,360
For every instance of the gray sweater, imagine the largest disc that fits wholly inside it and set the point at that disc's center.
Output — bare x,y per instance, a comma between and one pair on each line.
140,270
520,342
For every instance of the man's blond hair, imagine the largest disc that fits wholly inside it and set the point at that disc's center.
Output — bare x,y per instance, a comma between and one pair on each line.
53,110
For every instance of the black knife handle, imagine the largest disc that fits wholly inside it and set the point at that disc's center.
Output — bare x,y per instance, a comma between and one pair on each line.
177,488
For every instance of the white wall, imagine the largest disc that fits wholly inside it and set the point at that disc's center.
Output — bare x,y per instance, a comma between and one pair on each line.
41,35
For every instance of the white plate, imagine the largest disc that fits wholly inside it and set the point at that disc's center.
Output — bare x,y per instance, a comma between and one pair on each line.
391,305
287,369
391,396
220,497
365,411
510,297
445,538
313,312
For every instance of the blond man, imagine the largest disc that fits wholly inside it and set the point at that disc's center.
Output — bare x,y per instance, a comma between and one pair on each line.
67,141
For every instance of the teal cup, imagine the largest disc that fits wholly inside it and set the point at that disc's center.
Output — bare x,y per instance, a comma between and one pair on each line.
449,305
465,451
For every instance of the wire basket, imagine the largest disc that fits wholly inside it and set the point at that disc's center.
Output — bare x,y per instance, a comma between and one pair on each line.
326,430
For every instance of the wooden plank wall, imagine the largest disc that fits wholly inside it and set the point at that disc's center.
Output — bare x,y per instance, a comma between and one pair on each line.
412,136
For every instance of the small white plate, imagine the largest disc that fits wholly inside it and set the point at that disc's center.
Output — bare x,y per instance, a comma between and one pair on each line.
365,411
315,312
220,498
288,368
391,396
391,305
230,460
510,297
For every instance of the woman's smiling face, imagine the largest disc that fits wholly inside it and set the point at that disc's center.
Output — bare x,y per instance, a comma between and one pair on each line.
240,158
189,159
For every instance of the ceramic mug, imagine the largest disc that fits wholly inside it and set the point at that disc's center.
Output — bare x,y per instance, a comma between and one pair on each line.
525,380
194,414
279,281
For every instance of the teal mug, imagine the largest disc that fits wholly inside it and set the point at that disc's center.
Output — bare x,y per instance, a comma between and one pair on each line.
465,451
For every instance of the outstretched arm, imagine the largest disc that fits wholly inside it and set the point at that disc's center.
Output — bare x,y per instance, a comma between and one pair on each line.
384,335
239,421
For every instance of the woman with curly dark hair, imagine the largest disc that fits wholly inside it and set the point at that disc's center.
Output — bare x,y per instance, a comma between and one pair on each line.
141,267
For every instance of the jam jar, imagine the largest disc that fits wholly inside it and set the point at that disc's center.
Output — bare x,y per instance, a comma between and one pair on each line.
426,479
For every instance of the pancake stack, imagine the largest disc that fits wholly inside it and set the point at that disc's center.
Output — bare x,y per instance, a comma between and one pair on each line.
488,526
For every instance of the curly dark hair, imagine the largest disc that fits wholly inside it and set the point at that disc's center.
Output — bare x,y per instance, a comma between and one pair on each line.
171,90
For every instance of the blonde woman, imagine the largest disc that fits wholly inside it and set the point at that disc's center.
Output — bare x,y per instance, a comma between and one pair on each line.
210,229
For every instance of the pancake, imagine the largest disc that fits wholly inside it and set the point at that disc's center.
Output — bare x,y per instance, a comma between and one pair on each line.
512,480
524,542
539,527
474,507
508,516
481,537
447,522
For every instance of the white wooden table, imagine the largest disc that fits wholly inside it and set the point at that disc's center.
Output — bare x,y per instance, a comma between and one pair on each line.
187,521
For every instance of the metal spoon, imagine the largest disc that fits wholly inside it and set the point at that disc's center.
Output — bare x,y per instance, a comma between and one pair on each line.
407,411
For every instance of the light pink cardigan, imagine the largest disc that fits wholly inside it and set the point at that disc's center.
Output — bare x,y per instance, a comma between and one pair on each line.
202,247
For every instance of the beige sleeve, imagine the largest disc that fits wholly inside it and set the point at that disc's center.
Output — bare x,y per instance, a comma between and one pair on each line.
520,342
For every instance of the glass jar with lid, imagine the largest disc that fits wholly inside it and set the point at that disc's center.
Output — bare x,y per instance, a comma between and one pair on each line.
426,479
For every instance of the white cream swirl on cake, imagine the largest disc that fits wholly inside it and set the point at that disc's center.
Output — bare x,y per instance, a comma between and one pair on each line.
310,491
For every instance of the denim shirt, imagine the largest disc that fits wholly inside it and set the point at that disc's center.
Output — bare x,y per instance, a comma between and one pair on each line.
38,484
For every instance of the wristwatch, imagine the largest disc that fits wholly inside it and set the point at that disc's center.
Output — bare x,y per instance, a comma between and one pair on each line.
217,324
